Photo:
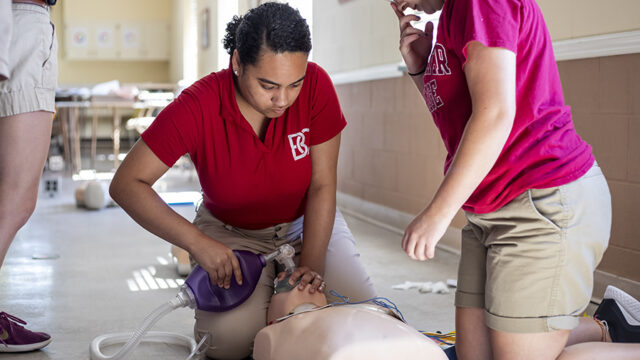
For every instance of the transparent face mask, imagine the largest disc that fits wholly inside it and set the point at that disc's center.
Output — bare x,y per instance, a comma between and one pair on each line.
282,286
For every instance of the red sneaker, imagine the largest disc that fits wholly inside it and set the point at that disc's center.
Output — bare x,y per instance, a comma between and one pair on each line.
15,338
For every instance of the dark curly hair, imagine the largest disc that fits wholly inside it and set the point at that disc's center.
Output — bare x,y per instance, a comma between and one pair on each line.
278,26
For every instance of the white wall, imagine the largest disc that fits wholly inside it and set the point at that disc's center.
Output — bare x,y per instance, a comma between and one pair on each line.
355,34
221,12
207,58
570,19
176,71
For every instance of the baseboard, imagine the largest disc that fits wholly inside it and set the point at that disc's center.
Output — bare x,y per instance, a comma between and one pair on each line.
379,72
621,43
396,221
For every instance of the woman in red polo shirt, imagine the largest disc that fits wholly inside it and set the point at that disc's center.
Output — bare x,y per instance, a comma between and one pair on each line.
264,136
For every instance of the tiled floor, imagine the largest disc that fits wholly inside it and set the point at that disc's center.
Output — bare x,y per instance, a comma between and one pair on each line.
89,289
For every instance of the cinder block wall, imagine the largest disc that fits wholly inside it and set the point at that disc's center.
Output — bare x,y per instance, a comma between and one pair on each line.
604,94
391,151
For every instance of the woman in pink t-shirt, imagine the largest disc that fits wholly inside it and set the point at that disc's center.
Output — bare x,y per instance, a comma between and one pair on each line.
538,206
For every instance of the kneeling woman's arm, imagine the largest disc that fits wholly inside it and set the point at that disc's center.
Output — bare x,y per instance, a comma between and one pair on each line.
319,214
131,189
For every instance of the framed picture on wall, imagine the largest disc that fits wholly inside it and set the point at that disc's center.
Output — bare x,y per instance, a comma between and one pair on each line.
204,29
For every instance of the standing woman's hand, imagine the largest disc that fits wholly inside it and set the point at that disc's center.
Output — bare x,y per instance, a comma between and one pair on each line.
423,234
415,44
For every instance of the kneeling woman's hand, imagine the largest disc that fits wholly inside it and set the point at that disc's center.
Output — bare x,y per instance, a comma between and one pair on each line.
219,261
306,276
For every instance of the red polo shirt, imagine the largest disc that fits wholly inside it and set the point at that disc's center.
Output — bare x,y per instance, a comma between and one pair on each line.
248,183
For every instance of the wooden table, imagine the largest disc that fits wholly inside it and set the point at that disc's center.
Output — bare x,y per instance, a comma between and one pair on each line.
68,111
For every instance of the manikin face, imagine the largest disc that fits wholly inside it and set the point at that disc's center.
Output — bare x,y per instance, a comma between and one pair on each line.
284,303
273,83
428,6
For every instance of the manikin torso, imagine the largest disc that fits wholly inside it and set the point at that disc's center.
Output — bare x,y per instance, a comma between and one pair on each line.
303,328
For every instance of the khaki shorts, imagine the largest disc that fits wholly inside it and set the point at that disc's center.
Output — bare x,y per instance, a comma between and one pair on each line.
530,264
32,62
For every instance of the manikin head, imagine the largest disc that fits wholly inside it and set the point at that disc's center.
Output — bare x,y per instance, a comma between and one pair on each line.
269,47
288,299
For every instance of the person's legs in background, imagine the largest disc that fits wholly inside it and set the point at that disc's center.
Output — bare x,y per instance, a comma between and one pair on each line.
27,104
6,26
24,143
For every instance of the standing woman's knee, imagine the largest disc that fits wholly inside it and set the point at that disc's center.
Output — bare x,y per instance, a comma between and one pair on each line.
27,198
27,207
17,208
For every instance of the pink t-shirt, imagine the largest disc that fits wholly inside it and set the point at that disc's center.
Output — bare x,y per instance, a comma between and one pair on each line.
543,149
248,183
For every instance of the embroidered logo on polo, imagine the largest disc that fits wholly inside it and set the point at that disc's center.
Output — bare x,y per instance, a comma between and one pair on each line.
438,66
298,147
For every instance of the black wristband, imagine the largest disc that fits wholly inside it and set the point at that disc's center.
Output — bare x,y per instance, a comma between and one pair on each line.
418,73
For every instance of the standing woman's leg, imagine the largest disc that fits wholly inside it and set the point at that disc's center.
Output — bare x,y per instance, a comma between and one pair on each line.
344,272
24,143
593,339
544,248
27,103
472,334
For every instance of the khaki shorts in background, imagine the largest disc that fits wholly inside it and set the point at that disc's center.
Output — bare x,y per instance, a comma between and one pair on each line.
33,62
6,23
530,263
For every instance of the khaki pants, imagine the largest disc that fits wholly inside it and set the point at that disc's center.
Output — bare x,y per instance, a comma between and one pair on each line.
530,264
232,332
30,61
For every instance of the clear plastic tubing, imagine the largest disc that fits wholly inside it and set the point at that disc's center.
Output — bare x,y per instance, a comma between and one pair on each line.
183,299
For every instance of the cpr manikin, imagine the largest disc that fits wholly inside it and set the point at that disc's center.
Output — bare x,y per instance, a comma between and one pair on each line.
303,326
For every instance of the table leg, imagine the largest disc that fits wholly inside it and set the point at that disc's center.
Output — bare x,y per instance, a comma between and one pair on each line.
116,137
64,124
77,160
94,137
